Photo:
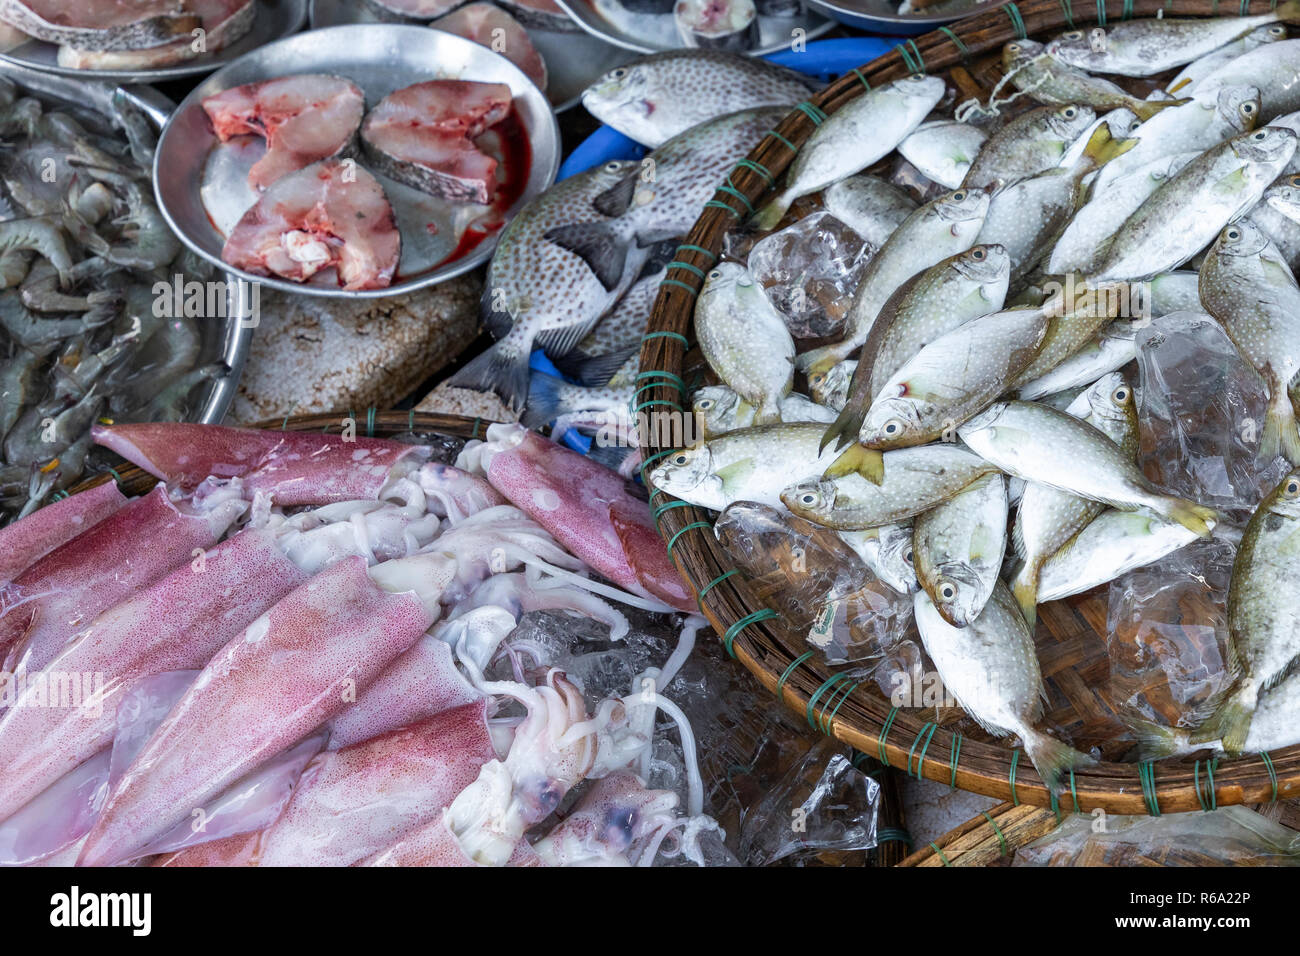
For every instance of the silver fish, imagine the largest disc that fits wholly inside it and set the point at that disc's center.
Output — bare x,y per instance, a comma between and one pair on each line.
1110,350
888,552
718,410
943,150
869,206
1048,80
1032,143
959,547
1274,69
1198,69
1275,724
831,387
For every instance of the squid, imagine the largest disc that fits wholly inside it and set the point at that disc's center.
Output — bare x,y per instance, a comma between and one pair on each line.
145,538
458,493
24,542
617,822
517,594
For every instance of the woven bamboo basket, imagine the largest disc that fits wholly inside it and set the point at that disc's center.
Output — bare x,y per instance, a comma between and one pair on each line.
1071,634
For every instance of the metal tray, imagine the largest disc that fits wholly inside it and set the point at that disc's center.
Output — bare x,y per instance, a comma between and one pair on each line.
229,342
656,33
882,16
274,19
202,184
573,60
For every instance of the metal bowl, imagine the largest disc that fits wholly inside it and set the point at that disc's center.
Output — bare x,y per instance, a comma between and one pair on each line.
659,33
202,184
274,19
573,60
882,16
227,342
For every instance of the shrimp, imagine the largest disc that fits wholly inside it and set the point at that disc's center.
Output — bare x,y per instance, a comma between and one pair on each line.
36,333
154,245
139,132
39,291
42,235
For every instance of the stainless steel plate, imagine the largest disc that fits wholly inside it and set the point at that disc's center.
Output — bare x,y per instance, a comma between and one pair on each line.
202,184
274,19
228,342
573,60
882,16
657,32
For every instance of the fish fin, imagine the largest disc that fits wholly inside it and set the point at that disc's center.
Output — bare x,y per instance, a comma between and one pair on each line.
1145,109
496,321
1049,756
819,360
768,413
543,400
500,370
593,369
611,456
1179,85
560,342
1233,182
767,217
845,428
1157,741
867,462
1102,147
1281,434
1018,546
1193,517
1025,589
736,472
598,244
1230,724
615,200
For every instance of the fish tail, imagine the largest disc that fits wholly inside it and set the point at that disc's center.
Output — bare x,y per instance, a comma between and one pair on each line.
1102,147
1193,517
867,462
767,217
1290,10
845,428
1157,741
1025,589
819,360
1231,722
768,412
1281,434
1145,109
544,402
502,369
1050,757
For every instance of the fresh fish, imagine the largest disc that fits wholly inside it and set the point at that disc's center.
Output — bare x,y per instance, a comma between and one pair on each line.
1272,727
492,27
831,387
1029,216
303,118
540,292
991,668
1074,317
1201,67
943,150
1284,197
1048,517
662,197
1039,443
223,22
656,97
931,304
1147,47
1099,218
100,26
1274,69
915,480
1248,288
1122,124
1171,292
1110,350
1193,127
959,547
888,552
1032,143
1263,616
869,206
860,132
1050,81
329,216
718,410
745,340
752,464
1283,230
423,135
730,25
1183,215
941,228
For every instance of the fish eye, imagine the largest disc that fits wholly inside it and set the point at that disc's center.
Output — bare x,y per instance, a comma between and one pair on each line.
619,73
908,557
1233,234
808,498
959,195
1069,112
1120,395
947,591
977,254
1013,47
1248,108
704,404
1277,30
893,427
1262,134
1293,181
1292,488
1073,35
680,459
715,274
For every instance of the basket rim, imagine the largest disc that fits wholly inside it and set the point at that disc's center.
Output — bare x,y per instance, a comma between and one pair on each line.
829,697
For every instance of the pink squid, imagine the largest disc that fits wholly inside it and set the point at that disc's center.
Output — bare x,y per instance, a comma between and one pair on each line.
585,506
459,493
24,542
133,547
293,468
292,669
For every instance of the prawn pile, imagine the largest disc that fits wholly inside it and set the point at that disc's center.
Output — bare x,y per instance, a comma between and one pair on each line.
82,245
307,659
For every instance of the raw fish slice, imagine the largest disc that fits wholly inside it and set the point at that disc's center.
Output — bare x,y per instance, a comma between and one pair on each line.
422,682
304,118
56,819
178,623
224,22
295,468
332,214
422,135
23,542
481,21
412,9
730,25
353,802
101,24
288,672
49,602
